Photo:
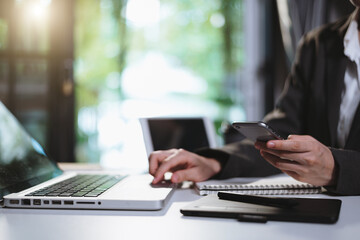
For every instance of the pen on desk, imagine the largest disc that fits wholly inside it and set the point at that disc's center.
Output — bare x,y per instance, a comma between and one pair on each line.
267,201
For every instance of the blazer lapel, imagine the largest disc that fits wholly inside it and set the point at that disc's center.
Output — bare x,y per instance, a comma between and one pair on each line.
353,141
336,63
335,75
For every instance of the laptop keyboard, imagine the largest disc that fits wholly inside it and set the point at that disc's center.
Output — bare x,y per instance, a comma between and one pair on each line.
79,186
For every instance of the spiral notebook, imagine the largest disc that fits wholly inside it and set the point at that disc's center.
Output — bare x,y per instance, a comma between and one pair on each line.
276,185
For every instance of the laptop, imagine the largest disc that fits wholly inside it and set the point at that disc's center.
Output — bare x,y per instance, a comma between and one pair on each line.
189,133
30,179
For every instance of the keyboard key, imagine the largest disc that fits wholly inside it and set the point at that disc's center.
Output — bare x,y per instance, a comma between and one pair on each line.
92,195
52,194
79,194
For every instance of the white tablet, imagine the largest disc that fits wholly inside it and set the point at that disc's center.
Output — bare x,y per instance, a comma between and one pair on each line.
189,133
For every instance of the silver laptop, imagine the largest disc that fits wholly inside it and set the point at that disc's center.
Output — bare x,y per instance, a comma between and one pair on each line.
190,133
30,179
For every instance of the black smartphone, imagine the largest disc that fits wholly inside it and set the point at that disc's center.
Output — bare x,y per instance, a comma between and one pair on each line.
257,131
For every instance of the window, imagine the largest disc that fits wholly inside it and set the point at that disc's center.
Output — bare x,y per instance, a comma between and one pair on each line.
36,83
139,58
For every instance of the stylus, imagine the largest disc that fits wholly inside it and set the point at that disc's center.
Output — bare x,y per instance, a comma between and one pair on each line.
267,201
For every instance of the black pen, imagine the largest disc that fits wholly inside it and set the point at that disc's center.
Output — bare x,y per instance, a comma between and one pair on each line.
267,201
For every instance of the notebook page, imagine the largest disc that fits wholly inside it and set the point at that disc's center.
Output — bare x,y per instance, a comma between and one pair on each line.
282,182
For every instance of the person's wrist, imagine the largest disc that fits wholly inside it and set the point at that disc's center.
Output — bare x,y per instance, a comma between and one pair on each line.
215,166
334,171
217,155
334,176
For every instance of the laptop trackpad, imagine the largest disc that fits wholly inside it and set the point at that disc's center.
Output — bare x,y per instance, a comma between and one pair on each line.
138,187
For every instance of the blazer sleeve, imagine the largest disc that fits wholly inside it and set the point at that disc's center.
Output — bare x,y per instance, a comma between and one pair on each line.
348,172
239,159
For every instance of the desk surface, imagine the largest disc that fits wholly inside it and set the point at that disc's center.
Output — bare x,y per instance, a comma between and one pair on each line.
166,224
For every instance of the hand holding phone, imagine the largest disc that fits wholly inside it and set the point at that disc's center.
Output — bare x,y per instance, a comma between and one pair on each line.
257,131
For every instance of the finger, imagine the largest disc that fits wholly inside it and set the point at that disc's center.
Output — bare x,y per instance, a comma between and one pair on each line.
286,155
153,163
285,165
156,158
293,175
290,145
300,137
272,159
169,163
297,176
281,163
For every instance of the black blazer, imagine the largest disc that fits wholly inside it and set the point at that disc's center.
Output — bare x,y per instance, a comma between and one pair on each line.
309,105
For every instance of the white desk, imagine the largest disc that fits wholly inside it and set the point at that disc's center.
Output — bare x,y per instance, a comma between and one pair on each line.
167,224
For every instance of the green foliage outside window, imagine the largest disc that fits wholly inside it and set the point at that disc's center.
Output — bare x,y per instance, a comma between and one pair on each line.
201,35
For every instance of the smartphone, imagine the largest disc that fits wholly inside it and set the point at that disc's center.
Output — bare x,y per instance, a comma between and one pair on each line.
257,131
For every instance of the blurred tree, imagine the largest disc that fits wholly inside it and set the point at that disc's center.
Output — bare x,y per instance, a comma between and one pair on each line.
205,37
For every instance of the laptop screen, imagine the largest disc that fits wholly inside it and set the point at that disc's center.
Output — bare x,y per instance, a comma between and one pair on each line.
23,162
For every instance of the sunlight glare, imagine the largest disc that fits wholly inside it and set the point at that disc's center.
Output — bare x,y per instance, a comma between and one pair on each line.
155,75
142,13
38,10
217,20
